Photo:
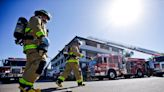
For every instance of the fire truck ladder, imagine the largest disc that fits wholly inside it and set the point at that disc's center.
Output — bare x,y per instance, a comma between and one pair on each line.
142,50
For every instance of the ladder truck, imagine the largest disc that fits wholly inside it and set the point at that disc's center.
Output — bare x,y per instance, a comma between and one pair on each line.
155,66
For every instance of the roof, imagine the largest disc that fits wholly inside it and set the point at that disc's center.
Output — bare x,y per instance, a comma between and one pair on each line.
82,38
15,59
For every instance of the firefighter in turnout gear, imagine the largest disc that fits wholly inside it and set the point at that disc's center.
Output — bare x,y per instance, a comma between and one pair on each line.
72,63
35,48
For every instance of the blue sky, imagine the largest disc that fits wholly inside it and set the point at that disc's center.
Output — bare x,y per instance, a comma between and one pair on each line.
139,24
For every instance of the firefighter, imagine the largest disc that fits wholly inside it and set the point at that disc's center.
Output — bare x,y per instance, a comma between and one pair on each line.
35,48
72,63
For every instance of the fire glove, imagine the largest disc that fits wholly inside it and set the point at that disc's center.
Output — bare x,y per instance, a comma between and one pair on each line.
44,45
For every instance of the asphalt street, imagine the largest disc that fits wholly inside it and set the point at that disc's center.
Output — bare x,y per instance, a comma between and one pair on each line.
152,84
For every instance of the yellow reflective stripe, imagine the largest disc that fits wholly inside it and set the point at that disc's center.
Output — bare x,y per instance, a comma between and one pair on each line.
31,46
70,53
81,55
73,60
23,81
78,81
39,33
27,29
62,78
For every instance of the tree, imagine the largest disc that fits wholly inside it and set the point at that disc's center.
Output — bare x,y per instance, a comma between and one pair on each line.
150,58
128,54
162,54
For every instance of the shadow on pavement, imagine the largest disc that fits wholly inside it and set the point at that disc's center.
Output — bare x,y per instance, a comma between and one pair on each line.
57,89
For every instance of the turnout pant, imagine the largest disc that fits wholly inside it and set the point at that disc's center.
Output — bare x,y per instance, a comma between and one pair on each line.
34,65
72,66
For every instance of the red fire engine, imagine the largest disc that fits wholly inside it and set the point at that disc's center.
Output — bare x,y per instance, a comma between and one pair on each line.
12,69
135,67
154,66
113,66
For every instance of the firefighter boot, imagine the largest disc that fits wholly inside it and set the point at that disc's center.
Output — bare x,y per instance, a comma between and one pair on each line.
25,88
81,84
28,90
59,82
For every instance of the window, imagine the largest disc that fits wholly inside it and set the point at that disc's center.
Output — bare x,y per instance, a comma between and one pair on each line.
91,43
132,64
21,63
61,61
56,64
90,54
14,63
109,60
115,59
105,59
114,49
159,59
162,66
99,60
104,46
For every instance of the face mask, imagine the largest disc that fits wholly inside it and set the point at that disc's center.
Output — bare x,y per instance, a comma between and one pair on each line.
44,19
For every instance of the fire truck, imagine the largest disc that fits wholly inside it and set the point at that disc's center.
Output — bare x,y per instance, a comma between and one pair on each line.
156,65
12,69
135,67
113,66
105,66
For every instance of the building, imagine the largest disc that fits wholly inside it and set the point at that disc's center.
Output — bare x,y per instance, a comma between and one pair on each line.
90,47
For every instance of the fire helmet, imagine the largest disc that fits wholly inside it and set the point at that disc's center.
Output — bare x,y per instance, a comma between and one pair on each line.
77,41
40,12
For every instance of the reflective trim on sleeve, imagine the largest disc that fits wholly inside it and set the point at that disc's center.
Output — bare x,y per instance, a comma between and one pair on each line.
39,33
28,29
70,53
31,46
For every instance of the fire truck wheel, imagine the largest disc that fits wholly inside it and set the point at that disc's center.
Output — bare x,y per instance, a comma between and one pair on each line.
127,76
159,75
112,74
149,73
100,78
139,74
